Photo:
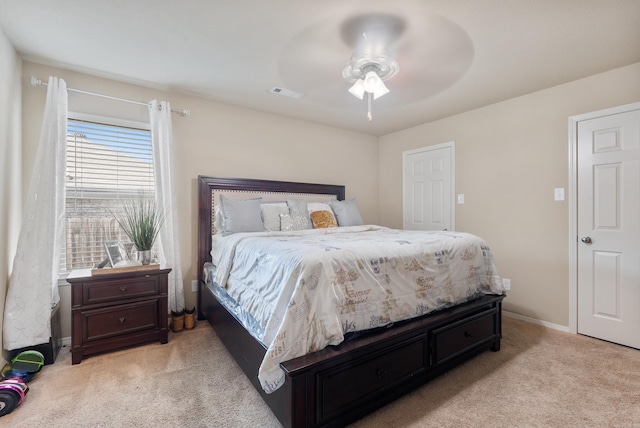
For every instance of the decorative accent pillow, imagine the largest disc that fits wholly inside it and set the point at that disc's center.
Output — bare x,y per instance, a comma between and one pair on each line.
323,219
298,207
290,222
241,215
347,213
271,215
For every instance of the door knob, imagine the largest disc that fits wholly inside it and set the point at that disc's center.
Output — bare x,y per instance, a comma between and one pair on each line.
586,239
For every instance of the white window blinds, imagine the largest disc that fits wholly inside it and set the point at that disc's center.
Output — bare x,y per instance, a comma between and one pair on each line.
105,163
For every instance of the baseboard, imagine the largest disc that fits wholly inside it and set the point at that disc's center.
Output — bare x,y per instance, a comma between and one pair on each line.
536,321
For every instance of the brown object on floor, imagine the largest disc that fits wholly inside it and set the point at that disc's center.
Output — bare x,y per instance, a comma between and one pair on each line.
177,321
189,318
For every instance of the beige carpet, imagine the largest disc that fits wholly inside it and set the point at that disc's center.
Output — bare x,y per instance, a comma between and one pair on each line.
541,377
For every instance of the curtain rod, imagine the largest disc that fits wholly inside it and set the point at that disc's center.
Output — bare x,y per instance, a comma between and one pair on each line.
180,112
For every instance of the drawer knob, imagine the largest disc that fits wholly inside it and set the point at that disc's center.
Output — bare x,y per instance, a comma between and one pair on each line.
381,373
122,319
123,288
467,334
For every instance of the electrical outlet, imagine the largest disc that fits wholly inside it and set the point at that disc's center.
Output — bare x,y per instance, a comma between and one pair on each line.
506,283
194,285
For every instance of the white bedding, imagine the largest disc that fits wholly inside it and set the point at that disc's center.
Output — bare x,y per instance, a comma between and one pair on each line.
307,289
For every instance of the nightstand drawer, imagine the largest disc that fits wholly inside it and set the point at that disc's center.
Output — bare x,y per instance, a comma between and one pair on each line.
118,320
111,290
452,340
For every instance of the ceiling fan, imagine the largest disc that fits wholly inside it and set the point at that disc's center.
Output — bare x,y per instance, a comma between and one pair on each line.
372,37
401,49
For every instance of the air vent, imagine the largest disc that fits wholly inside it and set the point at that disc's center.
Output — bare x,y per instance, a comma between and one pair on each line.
286,92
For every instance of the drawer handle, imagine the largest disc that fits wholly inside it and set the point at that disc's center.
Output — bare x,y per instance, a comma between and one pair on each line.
467,334
122,319
123,289
381,373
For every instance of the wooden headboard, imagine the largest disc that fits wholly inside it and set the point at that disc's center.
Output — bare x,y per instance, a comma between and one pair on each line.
207,186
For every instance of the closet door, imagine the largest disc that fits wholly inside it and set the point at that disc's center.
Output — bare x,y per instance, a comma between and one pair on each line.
428,176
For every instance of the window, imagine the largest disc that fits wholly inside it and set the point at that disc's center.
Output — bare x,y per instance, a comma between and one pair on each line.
107,161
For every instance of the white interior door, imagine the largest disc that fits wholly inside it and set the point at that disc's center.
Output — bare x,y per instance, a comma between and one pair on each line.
608,210
428,188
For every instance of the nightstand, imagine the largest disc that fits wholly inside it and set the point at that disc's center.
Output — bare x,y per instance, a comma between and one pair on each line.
117,309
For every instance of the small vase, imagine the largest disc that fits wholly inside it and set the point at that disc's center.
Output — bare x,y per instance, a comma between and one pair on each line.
144,257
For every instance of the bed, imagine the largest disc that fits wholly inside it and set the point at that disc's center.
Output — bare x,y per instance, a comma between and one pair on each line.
339,383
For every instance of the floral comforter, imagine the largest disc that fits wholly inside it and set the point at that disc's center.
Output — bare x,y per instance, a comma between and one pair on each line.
307,289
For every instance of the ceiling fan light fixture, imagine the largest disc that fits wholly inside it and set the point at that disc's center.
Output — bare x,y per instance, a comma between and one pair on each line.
368,73
382,90
374,84
371,81
358,89
385,67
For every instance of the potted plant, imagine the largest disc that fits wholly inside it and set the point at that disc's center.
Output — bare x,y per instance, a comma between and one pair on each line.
141,221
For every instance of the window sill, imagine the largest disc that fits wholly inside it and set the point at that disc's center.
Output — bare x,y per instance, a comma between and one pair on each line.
62,280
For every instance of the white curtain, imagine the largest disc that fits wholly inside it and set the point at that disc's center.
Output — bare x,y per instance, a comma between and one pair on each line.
33,285
164,172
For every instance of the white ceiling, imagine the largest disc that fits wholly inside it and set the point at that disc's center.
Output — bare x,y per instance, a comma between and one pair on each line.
454,55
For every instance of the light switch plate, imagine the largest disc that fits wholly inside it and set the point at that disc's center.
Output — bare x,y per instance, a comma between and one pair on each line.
558,194
461,198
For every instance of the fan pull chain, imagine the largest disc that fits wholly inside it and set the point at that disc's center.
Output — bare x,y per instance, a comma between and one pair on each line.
369,111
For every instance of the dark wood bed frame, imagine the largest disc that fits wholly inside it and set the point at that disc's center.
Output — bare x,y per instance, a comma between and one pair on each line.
340,384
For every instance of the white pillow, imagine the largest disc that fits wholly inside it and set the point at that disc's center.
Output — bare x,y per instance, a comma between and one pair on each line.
241,215
271,215
319,206
218,219
347,213
297,206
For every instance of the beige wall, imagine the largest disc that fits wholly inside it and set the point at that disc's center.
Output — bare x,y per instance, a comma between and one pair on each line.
10,187
221,140
509,158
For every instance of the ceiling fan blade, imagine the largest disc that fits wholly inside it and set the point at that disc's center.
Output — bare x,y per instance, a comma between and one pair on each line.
432,53
372,33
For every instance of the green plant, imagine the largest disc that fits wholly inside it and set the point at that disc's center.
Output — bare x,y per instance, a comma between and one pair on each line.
141,221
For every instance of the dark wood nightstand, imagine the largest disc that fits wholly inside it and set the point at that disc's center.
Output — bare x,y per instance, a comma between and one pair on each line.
117,309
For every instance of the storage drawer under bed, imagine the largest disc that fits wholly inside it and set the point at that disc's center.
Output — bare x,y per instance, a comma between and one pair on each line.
457,338
348,385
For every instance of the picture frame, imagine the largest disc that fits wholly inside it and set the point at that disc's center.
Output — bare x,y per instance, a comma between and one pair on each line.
103,263
115,252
